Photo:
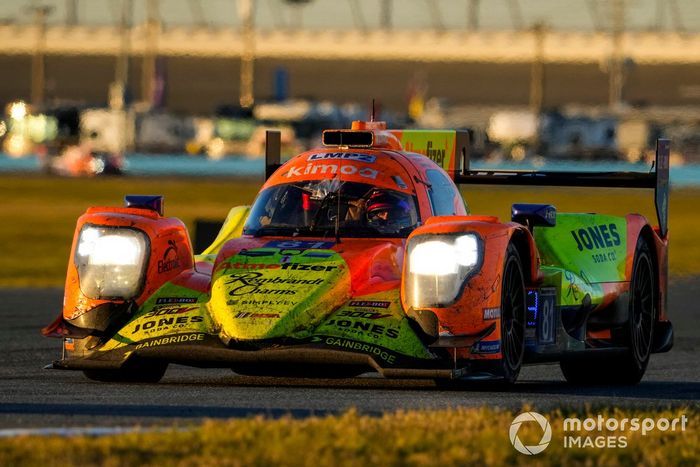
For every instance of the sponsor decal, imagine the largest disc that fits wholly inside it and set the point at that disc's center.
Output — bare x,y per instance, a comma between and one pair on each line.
486,347
171,259
283,266
253,282
245,314
175,300
69,343
169,310
249,302
550,215
165,317
363,314
363,328
299,245
252,266
604,257
184,338
255,279
492,313
332,169
346,156
436,155
596,237
369,304
165,323
359,347
308,267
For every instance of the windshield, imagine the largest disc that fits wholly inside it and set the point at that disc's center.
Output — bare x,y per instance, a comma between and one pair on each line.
311,208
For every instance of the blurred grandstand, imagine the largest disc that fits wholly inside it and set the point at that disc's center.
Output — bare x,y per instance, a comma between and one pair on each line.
583,78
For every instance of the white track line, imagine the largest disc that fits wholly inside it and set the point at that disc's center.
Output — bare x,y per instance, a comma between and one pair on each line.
69,432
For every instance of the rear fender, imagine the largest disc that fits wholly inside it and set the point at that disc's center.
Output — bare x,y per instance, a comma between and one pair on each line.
170,254
637,225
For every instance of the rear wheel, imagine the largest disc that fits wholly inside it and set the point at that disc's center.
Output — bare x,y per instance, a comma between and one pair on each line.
137,372
512,316
637,335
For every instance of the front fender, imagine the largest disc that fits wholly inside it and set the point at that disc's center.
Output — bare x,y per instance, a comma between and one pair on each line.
170,254
477,307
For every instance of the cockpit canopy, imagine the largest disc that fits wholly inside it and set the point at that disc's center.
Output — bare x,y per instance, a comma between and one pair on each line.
317,208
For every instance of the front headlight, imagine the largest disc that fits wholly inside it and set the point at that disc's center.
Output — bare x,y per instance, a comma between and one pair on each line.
111,261
438,266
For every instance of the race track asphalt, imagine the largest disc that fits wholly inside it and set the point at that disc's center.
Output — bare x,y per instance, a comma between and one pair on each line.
31,397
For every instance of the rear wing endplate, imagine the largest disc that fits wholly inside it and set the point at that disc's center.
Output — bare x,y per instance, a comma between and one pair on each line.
657,178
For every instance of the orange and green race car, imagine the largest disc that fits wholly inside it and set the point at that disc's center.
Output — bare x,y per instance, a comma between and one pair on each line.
362,256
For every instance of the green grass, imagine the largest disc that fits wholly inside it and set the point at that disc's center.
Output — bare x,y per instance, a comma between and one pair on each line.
38,214
474,436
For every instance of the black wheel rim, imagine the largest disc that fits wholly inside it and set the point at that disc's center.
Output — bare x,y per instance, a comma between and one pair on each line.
642,309
512,315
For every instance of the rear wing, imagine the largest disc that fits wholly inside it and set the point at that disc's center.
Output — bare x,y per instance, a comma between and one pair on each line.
447,148
657,178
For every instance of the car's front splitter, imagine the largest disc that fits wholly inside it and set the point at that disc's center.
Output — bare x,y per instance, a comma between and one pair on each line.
209,352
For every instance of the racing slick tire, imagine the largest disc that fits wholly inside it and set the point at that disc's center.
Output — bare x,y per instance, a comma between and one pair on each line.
141,372
512,316
636,335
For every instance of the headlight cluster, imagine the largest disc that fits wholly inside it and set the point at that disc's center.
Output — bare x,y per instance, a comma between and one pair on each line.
111,261
438,266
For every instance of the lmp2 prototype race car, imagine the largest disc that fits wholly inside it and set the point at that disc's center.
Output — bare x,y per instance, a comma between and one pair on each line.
362,256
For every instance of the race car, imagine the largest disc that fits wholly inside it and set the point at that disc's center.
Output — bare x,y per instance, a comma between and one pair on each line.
362,256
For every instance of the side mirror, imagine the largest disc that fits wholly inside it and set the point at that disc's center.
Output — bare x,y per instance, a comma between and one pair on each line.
152,202
531,215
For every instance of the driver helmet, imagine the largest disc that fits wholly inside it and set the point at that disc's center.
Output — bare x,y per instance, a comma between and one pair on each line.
386,209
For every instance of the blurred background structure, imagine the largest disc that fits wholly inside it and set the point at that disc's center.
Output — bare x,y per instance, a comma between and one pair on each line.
528,78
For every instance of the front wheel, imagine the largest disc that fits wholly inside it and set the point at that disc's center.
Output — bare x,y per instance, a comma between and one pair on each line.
512,316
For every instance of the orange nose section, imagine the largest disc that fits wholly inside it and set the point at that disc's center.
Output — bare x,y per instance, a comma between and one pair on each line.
166,253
